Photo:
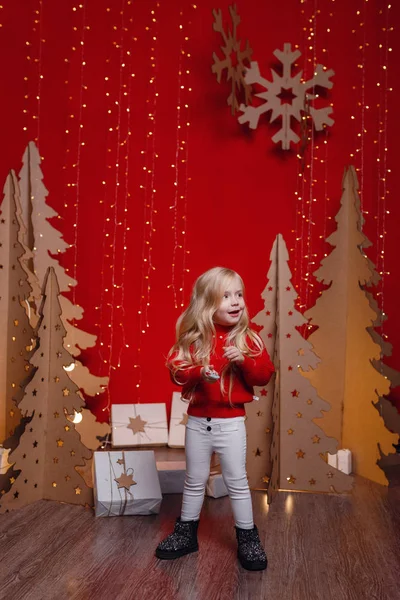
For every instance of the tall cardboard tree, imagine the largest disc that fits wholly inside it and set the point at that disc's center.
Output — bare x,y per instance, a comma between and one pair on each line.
346,377
50,448
17,333
299,446
48,243
259,414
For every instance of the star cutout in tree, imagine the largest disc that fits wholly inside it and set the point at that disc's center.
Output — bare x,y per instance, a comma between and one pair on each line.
316,439
125,481
300,351
259,413
264,392
120,461
300,454
257,452
136,424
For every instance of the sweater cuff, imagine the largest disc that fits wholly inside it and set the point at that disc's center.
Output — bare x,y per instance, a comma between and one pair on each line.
189,376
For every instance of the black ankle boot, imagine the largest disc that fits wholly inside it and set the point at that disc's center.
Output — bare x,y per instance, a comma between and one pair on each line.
251,554
182,541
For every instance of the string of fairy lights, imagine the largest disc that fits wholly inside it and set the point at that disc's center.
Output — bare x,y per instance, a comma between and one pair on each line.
33,76
116,185
180,169
384,171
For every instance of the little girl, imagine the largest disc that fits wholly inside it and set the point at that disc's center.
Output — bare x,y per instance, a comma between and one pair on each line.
217,360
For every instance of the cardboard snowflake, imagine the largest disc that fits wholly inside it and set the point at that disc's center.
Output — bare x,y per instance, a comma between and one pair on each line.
235,60
287,96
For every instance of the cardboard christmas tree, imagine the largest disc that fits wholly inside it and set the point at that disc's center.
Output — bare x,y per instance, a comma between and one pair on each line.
50,448
47,243
299,446
346,376
259,413
17,333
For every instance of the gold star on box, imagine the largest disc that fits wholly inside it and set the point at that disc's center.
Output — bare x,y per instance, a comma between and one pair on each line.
56,379
67,478
329,474
312,482
125,481
316,439
299,415
60,443
66,392
77,490
184,419
309,401
300,352
56,415
12,413
136,424
265,479
291,479
16,322
290,431
268,430
55,460
72,453
12,480
300,454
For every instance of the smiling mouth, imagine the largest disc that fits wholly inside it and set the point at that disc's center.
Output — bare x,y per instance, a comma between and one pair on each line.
234,313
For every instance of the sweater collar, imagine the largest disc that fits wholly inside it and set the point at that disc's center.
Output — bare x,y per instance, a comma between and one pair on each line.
222,329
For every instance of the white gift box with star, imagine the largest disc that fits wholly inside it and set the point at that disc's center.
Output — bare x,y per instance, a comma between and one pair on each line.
126,483
139,425
177,422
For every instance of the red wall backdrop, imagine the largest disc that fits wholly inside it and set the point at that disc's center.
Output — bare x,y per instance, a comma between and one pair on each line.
155,181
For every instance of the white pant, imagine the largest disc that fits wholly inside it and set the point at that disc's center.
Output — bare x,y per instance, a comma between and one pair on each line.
226,437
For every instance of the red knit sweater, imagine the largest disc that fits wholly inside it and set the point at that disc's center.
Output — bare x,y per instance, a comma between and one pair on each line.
207,398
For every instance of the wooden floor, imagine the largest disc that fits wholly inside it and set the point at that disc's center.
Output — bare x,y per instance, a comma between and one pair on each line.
319,547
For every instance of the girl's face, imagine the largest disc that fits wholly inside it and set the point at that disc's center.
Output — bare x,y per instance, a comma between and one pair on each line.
232,305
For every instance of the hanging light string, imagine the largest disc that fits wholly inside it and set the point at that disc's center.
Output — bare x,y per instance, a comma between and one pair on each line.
149,193
116,223
39,13
185,161
175,166
301,177
80,13
126,143
311,199
383,191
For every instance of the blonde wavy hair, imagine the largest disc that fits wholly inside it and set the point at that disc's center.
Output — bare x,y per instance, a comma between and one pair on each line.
195,329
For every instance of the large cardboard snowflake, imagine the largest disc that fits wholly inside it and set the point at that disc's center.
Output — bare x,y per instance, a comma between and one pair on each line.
235,60
287,96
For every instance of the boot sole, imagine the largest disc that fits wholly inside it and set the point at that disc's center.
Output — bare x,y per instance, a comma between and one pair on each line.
253,566
165,555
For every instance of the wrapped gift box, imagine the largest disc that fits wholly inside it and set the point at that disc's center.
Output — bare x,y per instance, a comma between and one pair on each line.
341,460
177,423
4,464
344,461
126,483
139,425
172,476
215,486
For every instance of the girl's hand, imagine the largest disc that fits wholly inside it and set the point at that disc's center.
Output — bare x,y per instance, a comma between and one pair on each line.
233,354
209,375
